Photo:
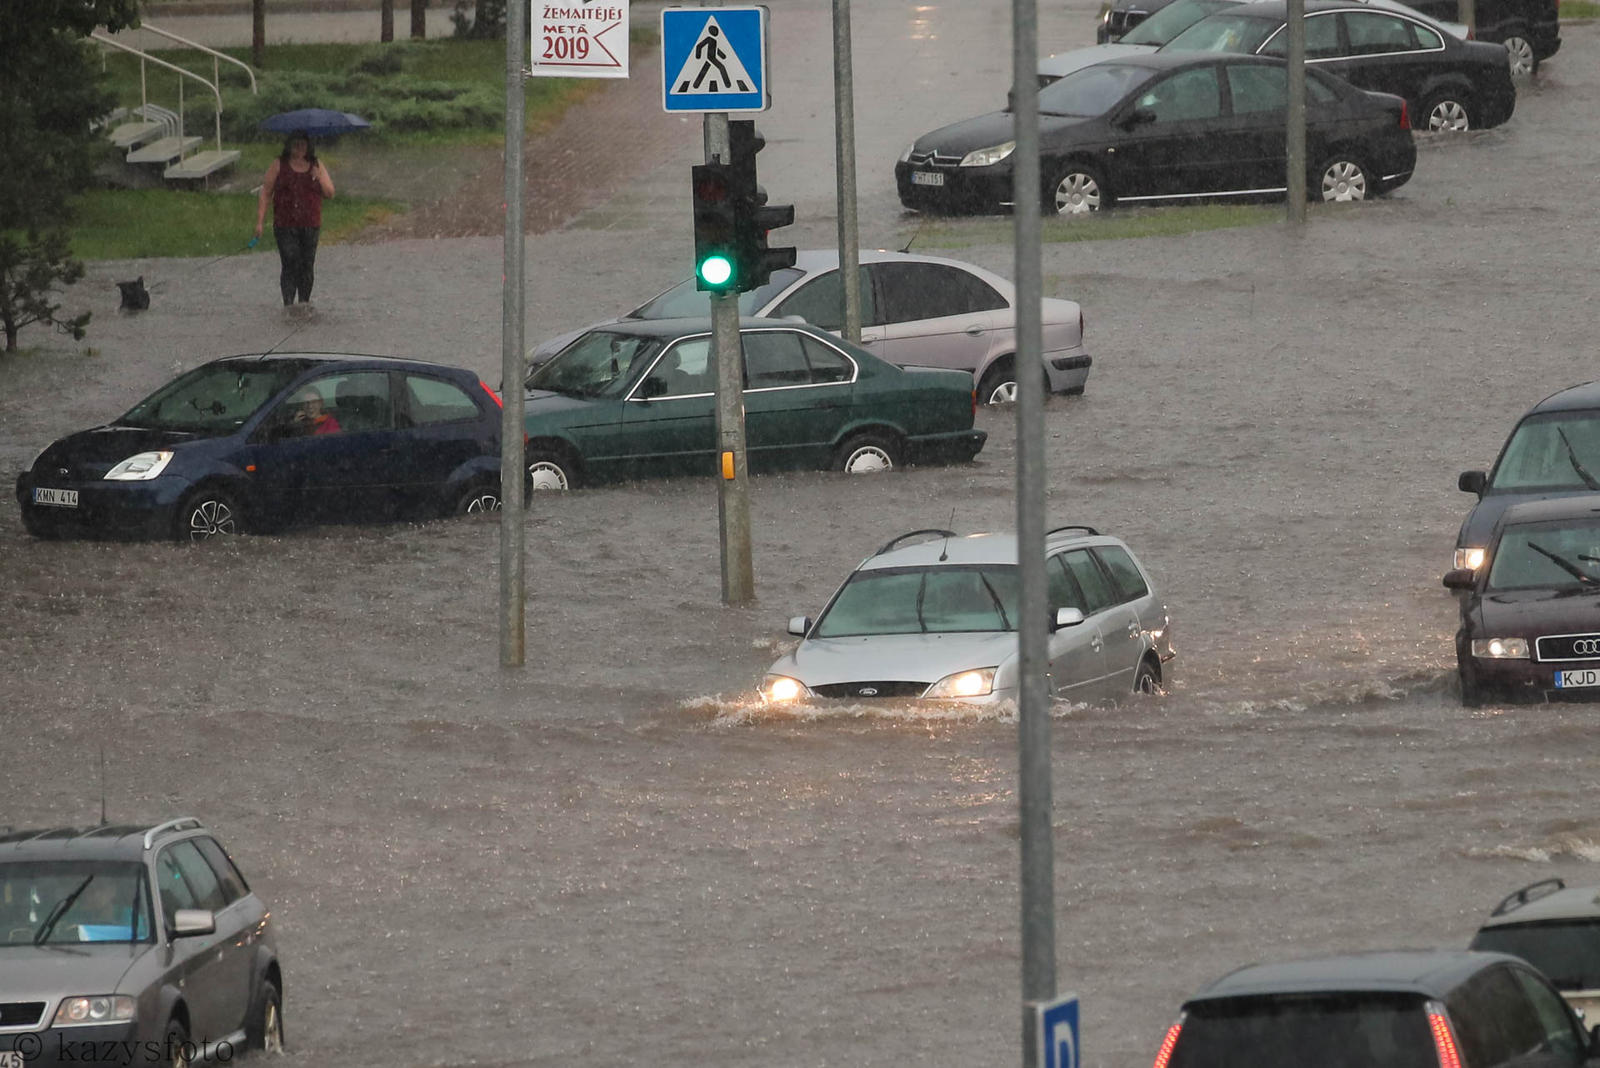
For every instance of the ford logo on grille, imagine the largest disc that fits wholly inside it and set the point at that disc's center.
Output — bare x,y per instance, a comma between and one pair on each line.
1586,647
867,691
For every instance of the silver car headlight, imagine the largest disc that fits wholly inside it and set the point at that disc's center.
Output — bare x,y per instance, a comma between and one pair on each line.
93,1009
906,155
987,157
1500,648
1469,558
140,468
781,688
977,683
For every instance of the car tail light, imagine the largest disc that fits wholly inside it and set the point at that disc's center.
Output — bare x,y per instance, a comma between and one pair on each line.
974,402
491,393
1405,116
1164,1054
1444,1039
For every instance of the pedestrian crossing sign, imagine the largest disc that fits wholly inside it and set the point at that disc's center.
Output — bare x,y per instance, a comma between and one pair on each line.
714,59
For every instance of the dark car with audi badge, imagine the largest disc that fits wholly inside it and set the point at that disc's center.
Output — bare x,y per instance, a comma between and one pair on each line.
1530,613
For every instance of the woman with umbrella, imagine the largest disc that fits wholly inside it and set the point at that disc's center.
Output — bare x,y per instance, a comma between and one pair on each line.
295,185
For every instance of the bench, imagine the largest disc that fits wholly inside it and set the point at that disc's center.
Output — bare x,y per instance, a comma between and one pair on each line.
202,164
163,151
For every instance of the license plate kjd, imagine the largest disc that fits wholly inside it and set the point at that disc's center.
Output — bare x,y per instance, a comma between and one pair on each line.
927,178
1577,679
60,498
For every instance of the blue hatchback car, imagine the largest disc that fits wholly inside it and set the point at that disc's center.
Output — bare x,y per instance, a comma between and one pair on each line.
257,442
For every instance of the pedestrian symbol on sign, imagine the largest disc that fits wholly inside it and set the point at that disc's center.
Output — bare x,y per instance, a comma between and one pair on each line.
711,68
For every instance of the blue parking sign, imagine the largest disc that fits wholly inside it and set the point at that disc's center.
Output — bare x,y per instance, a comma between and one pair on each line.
1058,1033
714,59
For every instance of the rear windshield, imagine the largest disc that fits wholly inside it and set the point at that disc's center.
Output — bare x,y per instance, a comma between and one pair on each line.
1566,951
214,399
1554,451
1307,1031
54,902
937,600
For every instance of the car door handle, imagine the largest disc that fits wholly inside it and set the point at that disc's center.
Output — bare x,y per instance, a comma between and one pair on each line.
868,339
976,330
1096,644
1133,629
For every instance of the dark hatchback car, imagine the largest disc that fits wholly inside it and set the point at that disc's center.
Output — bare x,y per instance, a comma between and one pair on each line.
1449,84
638,398
1530,613
1167,126
1553,451
1391,1009
255,442
1555,928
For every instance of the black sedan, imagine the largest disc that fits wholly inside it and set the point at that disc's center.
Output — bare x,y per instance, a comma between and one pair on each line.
258,441
1449,84
1530,615
1167,126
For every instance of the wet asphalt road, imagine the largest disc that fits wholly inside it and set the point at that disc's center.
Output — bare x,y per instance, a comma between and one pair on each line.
615,851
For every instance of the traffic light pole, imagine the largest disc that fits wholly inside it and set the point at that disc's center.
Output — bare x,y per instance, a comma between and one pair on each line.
733,481
844,137
513,367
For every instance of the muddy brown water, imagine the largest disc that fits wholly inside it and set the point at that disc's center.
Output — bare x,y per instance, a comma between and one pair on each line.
616,851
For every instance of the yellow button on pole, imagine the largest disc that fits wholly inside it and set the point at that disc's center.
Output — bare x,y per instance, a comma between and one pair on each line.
727,465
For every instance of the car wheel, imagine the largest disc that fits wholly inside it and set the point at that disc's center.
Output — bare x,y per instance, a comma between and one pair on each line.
478,499
266,1022
999,385
1077,190
550,471
1341,179
864,454
1446,113
1523,60
207,514
177,1051
1147,680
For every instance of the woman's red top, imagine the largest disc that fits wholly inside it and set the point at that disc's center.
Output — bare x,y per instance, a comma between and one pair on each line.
296,199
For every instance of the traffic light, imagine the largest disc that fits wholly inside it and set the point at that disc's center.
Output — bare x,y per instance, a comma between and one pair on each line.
716,228
753,261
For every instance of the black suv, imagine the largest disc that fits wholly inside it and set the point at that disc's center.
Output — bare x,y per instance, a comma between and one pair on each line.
1394,1009
132,945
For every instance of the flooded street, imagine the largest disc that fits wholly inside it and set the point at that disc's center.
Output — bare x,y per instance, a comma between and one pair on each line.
617,851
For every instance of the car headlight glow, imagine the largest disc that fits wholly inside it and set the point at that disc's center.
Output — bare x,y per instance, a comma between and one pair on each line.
140,468
1470,558
1500,648
964,684
93,1009
906,155
986,157
782,688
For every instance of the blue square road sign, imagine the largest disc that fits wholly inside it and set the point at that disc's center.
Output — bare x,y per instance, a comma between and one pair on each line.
1058,1033
714,59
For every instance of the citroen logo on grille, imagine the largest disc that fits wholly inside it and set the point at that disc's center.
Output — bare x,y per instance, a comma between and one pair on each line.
867,691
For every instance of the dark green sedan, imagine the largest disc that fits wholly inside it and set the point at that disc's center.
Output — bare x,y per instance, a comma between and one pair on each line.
639,398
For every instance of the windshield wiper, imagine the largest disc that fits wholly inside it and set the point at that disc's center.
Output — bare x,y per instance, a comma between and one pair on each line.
60,910
1563,563
999,606
1572,458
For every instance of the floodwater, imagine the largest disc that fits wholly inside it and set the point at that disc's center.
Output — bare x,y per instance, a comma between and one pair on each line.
614,852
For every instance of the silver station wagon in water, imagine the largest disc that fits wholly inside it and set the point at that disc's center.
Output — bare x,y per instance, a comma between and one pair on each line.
933,615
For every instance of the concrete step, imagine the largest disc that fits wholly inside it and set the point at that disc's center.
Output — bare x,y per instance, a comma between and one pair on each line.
202,164
163,151
133,134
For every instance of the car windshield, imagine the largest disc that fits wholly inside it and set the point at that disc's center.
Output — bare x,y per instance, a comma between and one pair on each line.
1092,90
933,600
1558,555
1307,1030
1566,951
684,301
1225,32
1172,20
58,901
601,363
1552,451
214,399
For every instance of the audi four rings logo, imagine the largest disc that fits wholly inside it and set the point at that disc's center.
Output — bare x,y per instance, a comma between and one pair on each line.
1586,647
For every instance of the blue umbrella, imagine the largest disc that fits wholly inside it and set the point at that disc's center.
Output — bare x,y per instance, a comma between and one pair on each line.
316,122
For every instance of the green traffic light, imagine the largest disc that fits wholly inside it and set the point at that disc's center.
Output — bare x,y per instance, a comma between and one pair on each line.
716,270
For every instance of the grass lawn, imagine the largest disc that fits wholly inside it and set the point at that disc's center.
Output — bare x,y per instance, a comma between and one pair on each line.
1579,9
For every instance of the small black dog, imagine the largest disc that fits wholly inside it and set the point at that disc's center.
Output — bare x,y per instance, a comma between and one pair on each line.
135,297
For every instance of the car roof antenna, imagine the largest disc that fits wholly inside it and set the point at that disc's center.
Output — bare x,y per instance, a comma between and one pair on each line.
102,783
944,550
286,337
914,235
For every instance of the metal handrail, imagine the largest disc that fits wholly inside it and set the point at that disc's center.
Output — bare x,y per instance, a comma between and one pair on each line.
145,56
212,51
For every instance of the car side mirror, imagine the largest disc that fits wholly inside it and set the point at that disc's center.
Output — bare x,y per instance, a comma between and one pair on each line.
1066,617
1472,482
799,625
1137,117
186,923
1462,578
652,387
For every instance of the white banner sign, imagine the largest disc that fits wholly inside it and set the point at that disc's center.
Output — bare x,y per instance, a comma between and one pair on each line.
573,40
